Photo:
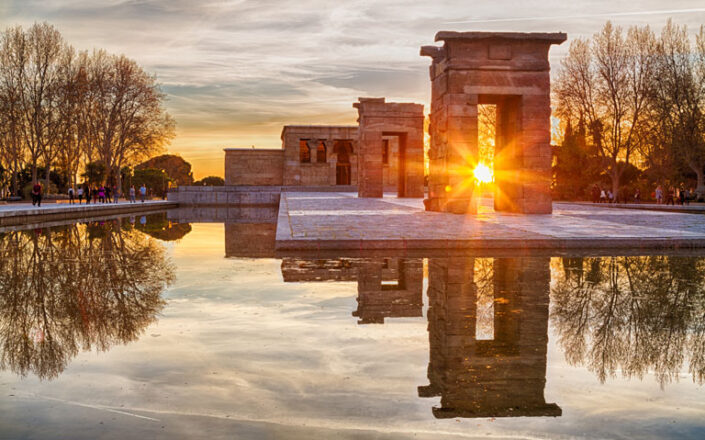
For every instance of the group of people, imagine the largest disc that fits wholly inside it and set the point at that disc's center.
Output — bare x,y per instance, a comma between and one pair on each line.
103,194
99,194
601,195
671,197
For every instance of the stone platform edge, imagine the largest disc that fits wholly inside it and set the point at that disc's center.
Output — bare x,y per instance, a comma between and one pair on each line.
555,244
36,215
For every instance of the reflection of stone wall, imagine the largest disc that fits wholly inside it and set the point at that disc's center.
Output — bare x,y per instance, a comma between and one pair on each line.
314,173
250,239
387,287
505,375
245,166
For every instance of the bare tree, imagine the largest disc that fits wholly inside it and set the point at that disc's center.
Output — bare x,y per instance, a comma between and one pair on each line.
607,82
679,98
12,63
43,45
129,123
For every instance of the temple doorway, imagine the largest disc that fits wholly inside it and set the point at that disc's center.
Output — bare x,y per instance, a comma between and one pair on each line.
343,150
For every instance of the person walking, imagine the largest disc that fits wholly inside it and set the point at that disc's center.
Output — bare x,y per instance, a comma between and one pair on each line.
37,194
659,195
595,194
143,192
116,194
94,193
101,194
80,194
71,201
603,196
637,196
681,196
108,194
671,196
132,194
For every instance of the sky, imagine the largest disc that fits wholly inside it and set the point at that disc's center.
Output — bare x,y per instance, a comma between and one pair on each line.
236,71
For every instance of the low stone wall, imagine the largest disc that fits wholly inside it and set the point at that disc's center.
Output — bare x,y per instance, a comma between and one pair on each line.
224,195
242,195
254,166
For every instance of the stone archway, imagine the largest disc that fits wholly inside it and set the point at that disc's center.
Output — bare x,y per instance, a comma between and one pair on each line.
379,119
510,70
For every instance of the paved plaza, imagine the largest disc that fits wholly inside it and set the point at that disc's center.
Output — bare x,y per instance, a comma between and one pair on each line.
13,214
343,221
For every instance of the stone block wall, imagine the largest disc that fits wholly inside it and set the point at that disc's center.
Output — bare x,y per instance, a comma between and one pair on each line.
379,119
251,167
225,195
314,173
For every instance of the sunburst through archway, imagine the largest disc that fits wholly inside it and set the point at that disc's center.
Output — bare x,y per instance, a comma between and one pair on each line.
483,173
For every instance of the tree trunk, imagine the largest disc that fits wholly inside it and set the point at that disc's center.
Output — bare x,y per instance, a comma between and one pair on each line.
700,188
46,179
34,173
15,182
615,184
118,184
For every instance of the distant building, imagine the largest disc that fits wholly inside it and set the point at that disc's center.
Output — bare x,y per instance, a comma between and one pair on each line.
320,156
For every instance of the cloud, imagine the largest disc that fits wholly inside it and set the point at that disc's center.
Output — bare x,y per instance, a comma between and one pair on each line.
236,70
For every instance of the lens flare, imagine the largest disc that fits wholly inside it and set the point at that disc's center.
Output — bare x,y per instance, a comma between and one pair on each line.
483,173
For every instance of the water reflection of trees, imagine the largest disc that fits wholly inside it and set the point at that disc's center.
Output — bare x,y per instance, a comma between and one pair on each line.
632,314
76,288
160,227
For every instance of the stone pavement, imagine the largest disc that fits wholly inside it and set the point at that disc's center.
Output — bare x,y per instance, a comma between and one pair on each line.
321,221
24,213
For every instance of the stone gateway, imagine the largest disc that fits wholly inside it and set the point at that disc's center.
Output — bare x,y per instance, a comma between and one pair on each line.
511,71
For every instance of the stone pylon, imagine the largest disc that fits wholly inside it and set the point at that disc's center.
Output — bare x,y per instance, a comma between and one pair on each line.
511,71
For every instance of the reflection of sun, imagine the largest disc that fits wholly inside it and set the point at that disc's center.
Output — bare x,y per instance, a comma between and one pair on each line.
482,173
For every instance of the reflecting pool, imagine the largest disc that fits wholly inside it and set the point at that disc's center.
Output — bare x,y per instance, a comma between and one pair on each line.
149,327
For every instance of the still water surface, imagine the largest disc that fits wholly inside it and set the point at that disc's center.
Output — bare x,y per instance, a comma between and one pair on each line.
142,328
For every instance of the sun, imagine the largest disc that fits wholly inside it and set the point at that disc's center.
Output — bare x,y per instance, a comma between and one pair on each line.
482,173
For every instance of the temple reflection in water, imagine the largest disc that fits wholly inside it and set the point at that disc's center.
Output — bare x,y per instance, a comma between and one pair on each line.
386,287
487,324
90,286
488,336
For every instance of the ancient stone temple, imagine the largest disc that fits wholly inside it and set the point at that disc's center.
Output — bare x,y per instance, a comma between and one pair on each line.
380,120
333,157
506,69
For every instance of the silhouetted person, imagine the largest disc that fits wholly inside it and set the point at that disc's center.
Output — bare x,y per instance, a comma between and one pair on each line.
37,195
637,196
71,200
670,196
595,194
